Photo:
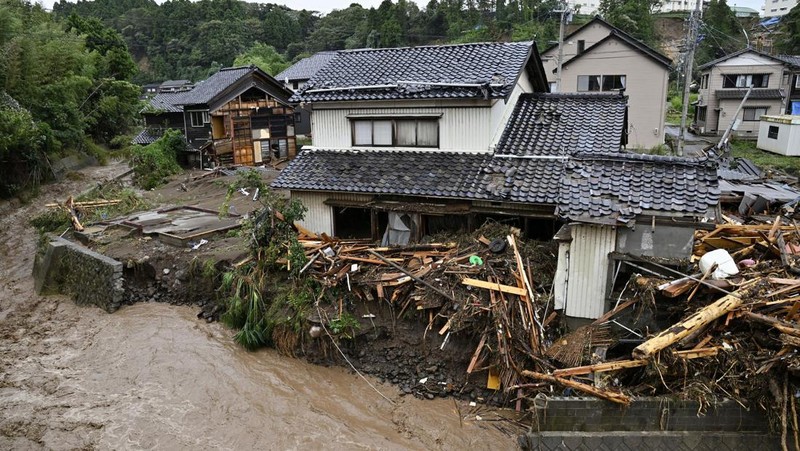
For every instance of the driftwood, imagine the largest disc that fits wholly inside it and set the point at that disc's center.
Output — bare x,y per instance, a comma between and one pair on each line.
622,364
608,395
695,322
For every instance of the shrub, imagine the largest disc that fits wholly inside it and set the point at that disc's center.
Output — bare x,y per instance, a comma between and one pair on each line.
153,163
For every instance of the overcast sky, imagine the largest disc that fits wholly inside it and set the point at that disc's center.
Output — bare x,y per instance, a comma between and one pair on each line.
326,6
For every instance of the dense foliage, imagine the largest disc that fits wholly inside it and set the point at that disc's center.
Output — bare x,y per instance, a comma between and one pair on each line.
60,84
153,163
789,42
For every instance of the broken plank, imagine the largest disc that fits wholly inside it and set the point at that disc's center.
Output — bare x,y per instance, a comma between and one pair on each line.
476,354
495,286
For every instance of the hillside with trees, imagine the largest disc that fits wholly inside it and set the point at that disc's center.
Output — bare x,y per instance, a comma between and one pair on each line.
65,85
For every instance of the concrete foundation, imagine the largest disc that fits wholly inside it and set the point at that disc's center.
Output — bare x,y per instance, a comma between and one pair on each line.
647,424
64,267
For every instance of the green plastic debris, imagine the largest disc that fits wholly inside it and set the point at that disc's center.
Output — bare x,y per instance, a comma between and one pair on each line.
475,260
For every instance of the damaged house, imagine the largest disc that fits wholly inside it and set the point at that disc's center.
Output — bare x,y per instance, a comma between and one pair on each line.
240,115
413,141
410,142
621,209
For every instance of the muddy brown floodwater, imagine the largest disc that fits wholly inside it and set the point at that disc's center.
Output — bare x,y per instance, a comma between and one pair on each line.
152,376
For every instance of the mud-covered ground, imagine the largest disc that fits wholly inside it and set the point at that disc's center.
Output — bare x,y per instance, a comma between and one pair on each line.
153,376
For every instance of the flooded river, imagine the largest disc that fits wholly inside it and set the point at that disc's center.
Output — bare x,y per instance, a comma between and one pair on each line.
152,376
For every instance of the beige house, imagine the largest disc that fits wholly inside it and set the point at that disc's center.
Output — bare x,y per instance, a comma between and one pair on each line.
600,57
724,82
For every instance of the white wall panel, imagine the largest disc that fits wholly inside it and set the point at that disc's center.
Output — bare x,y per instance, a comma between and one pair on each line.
588,270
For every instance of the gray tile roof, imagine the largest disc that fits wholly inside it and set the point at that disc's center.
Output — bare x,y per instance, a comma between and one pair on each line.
413,173
755,94
562,124
204,91
794,60
167,102
618,187
306,67
145,137
419,73
526,180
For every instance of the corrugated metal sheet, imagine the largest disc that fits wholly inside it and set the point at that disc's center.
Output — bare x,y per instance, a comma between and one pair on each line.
467,129
588,270
319,217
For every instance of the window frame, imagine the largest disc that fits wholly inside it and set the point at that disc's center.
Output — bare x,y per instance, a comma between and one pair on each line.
202,117
394,140
740,81
601,82
772,132
797,81
756,117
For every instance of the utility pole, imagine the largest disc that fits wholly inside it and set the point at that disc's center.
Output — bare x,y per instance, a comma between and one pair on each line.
562,13
691,43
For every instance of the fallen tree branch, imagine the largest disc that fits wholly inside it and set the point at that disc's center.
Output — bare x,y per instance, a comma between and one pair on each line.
615,397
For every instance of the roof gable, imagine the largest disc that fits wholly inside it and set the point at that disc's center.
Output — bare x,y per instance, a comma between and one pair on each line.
478,70
596,20
220,86
620,36
562,124
306,67
755,53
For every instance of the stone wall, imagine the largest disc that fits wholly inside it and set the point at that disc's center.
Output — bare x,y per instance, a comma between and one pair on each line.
89,278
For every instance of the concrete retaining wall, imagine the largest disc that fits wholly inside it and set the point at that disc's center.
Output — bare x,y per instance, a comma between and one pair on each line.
647,424
89,278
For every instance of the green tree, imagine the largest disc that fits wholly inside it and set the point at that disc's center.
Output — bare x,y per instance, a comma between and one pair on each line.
789,41
635,17
721,33
265,57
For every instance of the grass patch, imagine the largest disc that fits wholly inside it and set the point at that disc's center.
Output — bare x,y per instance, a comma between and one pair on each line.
675,107
765,160
152,164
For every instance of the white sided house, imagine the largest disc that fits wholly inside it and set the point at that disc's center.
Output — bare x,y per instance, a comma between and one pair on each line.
420,140
598,57
725,81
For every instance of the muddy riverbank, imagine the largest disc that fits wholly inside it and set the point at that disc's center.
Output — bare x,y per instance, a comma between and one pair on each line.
153,376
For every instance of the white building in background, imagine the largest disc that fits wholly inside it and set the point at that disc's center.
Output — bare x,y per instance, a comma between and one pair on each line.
776,8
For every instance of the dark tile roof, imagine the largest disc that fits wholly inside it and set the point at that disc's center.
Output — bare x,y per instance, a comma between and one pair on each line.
167,102
204,91
527,180
306,67
420,73
145,137
794,60
422,173
175,83
741,52
617,187
755,94
562,124
425,173
616,32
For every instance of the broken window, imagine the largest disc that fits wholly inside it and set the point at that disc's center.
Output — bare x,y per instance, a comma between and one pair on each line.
352,222
401,230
